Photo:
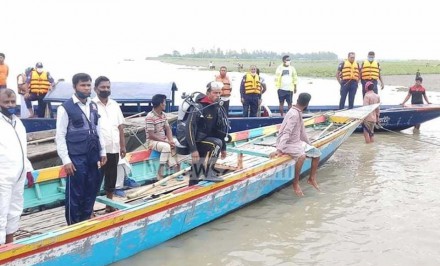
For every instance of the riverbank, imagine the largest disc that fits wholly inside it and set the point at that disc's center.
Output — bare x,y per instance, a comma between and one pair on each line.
305,68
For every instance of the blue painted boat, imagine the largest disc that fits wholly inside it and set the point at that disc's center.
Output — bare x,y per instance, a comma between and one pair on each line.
392,117
135,97
151,221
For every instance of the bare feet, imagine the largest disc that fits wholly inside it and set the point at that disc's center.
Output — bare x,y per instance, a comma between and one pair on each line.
297,189
312,181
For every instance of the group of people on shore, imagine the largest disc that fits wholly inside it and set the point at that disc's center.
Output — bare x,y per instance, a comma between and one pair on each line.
90,137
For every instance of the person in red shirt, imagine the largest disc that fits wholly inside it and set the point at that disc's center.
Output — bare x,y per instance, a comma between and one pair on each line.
417,93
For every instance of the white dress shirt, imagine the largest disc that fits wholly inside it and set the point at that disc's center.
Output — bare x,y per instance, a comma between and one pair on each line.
111,118
62,124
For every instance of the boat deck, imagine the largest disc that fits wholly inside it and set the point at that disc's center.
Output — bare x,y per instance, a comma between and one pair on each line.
241,156
32,221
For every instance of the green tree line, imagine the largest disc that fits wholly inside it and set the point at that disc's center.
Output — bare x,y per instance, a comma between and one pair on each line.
257,54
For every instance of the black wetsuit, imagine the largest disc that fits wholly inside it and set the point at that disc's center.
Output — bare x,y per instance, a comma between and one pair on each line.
204,130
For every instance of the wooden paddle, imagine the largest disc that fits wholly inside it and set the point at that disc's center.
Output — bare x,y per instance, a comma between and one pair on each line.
145,189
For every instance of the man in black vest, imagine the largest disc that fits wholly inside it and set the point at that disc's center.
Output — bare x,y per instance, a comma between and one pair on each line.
81,148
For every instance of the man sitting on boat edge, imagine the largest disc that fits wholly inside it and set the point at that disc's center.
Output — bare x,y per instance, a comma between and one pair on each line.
202,127
160,137
292,140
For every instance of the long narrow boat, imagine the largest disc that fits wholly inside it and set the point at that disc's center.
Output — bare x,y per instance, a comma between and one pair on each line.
392,117
156,213
135,97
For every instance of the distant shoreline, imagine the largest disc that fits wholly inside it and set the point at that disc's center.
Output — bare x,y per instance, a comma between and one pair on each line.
394,73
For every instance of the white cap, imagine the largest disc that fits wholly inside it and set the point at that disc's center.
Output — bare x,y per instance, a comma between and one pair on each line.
216,85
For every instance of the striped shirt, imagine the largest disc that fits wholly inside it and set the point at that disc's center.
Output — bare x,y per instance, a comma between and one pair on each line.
156,123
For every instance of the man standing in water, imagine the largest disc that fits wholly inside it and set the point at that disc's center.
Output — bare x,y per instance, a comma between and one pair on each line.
292,140
81,148
417,93
373,118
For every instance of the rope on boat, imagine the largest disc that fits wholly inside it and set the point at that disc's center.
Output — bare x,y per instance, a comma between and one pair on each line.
405,135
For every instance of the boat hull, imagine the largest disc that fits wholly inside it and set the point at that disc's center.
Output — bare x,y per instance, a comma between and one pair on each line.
392,117
121,234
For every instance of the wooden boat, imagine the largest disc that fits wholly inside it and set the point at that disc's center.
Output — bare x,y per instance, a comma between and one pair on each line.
138,97
134,98
156,213
392,117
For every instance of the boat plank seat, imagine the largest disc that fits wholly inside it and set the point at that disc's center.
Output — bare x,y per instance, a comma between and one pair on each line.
113,203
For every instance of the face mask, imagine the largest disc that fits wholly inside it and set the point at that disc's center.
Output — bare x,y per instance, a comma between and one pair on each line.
40,70
104,94
9,111
82,95
370,59
287,63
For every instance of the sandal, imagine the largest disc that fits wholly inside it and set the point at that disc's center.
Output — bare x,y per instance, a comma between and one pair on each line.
109,209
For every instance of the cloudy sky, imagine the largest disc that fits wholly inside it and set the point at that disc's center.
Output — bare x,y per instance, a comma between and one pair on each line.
77,30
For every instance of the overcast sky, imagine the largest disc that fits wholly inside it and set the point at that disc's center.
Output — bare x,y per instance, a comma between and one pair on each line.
74,30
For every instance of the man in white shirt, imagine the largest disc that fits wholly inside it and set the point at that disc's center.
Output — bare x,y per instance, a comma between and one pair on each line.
285,80
112,129
13,164
81,147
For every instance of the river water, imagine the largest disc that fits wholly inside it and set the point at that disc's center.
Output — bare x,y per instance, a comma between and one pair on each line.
379,203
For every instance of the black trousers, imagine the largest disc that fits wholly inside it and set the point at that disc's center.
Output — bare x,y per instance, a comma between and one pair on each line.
109,172
209,150
226,107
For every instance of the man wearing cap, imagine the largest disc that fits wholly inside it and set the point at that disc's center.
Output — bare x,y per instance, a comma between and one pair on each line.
203,131
292,140
4,71
373,118
39,82
370,71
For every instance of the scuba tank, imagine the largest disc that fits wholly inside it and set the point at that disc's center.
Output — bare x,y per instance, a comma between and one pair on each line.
190,105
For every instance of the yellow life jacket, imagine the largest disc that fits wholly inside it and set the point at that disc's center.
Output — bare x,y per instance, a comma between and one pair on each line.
39,82
350,70
370,70
252,84
226,90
